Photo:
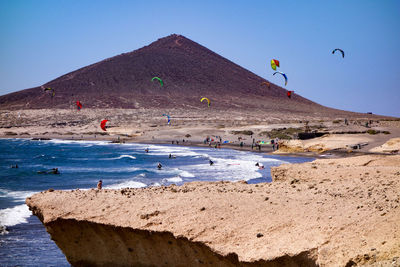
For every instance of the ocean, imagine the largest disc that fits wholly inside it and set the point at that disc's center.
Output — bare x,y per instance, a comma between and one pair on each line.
24,240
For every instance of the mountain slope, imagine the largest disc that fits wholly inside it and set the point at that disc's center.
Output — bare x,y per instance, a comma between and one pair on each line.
189,71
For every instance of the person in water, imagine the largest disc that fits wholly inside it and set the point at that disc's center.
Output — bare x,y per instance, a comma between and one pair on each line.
260,165
146,150
14,166
52,171
100,184
211,162
159,166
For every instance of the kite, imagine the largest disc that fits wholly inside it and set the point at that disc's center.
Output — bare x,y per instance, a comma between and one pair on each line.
283,74
78,105
289,94
338,49
50,89
267,84
158,79
169,118
205,98
103,125
274,63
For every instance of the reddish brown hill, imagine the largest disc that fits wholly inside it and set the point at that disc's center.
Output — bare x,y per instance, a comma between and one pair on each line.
189,71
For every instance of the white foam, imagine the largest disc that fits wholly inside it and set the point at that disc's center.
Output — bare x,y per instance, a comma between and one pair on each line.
186,174
228,169
16,215
176,179
126,156
79,142
16,195
174,150
125,184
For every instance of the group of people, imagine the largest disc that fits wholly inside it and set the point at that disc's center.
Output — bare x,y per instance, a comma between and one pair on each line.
52,171
275,144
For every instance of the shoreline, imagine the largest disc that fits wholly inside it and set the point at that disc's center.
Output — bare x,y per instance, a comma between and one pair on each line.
266,150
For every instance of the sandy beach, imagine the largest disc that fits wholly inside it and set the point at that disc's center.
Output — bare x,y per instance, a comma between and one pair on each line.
192,128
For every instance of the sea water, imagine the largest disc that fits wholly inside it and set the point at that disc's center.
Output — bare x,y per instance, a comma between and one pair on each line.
25,242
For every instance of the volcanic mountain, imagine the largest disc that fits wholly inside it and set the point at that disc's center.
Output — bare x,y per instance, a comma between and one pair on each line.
189,72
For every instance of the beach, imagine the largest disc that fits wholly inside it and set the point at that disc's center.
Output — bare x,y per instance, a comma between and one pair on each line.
193,128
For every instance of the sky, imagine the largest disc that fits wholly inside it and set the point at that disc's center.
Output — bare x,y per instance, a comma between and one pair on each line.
42,40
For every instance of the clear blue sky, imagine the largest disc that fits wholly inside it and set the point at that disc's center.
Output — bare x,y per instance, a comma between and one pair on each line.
41,40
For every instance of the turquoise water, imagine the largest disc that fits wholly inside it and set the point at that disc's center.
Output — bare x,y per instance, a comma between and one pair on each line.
83,163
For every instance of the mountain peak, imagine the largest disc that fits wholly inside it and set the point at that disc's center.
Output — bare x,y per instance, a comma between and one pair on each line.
171,41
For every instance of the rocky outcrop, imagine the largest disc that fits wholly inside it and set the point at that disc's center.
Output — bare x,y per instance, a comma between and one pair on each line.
339,212
107,245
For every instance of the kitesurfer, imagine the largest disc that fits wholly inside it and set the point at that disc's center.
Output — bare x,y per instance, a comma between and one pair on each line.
159,166
260,166
100,184
211,162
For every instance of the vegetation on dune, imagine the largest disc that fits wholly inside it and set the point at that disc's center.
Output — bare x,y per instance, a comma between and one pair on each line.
244,132
284,133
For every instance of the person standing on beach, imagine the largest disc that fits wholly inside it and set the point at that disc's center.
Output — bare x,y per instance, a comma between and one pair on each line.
100,184
277,143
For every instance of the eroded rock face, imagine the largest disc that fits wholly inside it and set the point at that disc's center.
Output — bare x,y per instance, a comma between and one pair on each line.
101,243
328,213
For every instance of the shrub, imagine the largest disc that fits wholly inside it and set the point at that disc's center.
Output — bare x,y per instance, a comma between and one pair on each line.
371,131
337,121
283,133
245,132
10,133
